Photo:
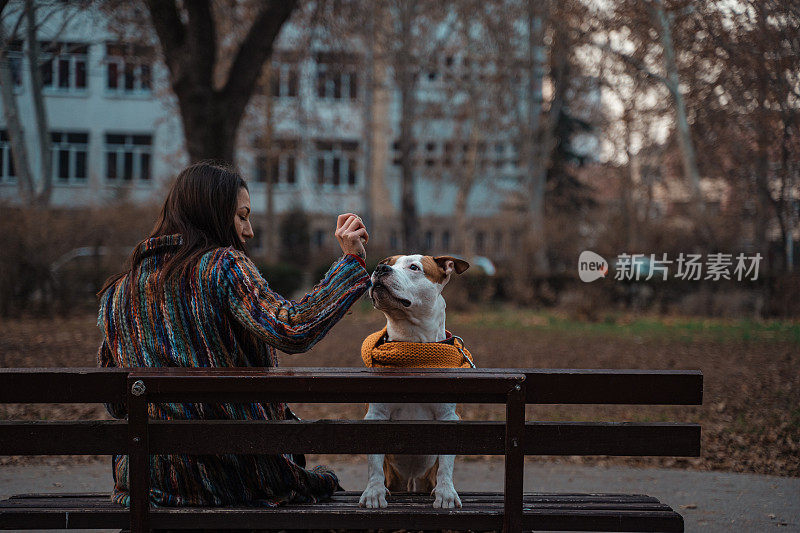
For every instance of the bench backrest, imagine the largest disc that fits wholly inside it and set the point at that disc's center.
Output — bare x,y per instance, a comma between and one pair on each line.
514,438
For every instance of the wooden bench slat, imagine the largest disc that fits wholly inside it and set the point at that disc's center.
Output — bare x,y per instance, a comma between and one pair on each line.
543,386
62,385
79,499
78,437
603,386
612,438
70,505
588,512
350,436
331,385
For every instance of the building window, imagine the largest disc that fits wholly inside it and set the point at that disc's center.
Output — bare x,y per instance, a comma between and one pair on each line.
255,244
284,75
15,61
7,172
319,238
337,76
397,161
480,242
428,240
281,163
69,150
128,68
445,240
128,156
337,163
63,65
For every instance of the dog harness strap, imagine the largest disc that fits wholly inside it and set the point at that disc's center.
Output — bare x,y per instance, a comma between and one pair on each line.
376,352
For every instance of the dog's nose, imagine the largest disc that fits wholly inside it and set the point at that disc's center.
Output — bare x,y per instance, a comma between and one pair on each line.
382,269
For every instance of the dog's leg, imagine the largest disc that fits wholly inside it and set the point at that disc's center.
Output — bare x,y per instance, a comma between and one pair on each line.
374,494
445,495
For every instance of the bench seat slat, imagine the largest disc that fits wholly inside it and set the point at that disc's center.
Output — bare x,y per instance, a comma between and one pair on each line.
588,512
346,497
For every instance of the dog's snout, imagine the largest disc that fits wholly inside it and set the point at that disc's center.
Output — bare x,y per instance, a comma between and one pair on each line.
382,269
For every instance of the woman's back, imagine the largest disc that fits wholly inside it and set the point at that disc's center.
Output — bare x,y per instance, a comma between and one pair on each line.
219,313
191,297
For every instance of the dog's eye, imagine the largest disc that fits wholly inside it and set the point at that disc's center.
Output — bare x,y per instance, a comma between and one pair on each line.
413,267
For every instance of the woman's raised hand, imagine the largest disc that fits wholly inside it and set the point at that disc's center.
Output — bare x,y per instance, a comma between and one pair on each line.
352,234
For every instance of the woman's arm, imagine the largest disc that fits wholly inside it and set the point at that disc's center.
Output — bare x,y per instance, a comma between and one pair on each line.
289,326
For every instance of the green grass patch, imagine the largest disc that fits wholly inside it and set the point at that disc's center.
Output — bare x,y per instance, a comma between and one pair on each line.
678,329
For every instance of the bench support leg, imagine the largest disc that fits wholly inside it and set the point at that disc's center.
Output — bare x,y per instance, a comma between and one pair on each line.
515,459
138,457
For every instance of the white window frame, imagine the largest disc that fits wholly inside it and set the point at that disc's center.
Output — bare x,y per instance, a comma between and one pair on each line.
121,61
283,150
73,149
73,58
136,151
329,71
7,162
329,158
16,62
283,72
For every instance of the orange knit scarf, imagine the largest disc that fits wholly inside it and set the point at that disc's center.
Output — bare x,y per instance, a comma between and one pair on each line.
449,353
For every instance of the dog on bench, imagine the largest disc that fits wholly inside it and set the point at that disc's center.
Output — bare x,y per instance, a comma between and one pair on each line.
408,290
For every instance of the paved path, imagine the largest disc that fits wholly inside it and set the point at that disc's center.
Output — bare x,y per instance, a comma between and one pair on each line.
709,501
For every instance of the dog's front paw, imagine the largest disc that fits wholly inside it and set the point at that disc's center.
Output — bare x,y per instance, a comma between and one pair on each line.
445,497
374,496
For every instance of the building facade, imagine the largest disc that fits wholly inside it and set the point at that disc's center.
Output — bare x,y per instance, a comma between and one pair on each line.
320,130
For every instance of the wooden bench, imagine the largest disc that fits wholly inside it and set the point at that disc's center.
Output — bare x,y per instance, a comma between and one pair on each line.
514,438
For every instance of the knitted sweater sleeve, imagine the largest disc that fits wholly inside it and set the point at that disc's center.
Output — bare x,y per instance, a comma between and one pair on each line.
289,326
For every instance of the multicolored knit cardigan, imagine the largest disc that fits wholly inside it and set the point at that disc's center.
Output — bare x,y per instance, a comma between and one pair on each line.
221,314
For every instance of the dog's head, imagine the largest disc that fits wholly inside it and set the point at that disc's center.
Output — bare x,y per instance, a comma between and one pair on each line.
412,283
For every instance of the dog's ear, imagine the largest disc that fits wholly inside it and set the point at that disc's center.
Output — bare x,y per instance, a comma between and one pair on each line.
450,264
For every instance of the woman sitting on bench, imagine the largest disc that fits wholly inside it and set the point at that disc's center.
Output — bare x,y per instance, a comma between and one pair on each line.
191,297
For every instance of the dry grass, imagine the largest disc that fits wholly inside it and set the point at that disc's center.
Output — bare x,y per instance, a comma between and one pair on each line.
750,416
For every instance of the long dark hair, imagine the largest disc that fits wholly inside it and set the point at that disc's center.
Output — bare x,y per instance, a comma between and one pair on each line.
201,206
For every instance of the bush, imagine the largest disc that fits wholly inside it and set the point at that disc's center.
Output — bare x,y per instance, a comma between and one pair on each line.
40,271
283,278
295,237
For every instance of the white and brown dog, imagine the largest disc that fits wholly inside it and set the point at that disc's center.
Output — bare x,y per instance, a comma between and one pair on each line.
407,289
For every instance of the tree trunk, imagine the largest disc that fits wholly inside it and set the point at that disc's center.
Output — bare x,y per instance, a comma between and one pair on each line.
187,35
629,182
462,240
369,122
44,191
406,82
536,153
270,247
209,131
19,152
688,158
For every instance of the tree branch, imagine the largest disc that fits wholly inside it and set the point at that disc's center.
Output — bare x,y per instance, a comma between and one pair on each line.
638,65
201,41
171,32
254,51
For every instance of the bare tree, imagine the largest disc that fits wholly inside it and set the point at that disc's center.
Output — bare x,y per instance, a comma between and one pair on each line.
211,112
32,191
19,152
641,21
